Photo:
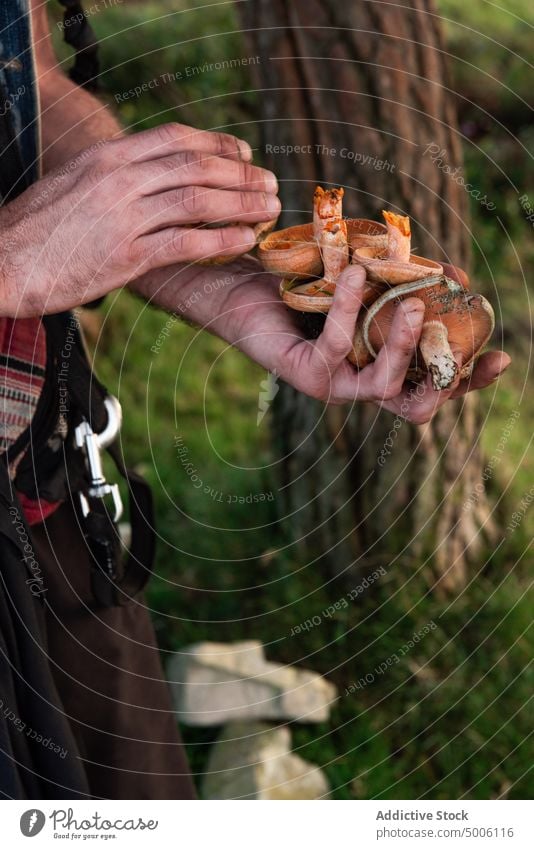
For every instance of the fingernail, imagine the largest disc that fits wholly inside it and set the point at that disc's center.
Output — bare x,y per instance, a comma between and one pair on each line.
271,183
413,315
247,236
354,276
245,150
272,203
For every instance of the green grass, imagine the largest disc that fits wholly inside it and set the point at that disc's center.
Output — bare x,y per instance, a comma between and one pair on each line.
453,714
491,48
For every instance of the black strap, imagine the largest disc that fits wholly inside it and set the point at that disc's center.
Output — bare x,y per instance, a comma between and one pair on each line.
79,34
115,583
116,580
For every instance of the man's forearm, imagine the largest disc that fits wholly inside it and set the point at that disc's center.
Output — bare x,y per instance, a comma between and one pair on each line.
74,120
71,118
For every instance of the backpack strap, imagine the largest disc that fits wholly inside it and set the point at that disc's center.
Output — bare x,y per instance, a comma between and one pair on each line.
115,581
79,34
60,475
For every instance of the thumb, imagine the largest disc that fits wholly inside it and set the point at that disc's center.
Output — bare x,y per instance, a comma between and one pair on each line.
336,340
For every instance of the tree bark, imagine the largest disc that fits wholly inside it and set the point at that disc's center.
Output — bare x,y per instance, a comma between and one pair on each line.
362,88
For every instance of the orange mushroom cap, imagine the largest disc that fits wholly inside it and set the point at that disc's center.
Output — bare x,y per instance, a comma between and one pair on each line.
468,318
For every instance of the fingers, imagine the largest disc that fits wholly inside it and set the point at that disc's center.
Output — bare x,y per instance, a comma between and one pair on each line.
456,273
388,372
419,403
335,342
487,369
383,379
194,204
178,244
173,138
191,168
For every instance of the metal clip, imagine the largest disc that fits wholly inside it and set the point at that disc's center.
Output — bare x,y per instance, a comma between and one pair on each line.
92,444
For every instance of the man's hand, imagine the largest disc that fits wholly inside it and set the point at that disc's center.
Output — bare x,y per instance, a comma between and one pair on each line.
245,309
125,207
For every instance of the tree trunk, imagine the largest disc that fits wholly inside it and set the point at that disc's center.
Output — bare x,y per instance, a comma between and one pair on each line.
363,84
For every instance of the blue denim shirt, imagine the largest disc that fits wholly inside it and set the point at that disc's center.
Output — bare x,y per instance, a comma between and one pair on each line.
17,73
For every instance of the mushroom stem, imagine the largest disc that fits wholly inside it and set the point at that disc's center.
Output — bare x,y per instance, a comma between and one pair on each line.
399,236
330,231
437,354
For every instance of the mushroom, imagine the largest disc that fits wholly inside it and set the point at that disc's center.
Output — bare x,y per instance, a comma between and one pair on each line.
362,233
393,263
311,256
292,252
330,231
318,252
399,236
387,265
455,320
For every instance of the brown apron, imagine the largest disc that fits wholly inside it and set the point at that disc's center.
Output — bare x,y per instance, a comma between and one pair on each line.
108,673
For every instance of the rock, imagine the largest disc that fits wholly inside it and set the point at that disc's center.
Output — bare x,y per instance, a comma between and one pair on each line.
213,683
254,761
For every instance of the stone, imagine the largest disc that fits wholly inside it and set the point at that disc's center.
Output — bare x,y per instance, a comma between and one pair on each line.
254,761
214,683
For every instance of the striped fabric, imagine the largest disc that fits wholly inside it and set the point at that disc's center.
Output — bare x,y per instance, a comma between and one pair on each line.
22,372
22,342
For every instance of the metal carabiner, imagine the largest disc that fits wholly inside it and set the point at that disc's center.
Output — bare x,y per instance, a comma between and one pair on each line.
92,444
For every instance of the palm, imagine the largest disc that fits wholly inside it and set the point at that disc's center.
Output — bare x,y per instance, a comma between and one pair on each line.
271,334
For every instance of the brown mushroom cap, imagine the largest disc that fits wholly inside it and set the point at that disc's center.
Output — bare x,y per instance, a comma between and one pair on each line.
300,296
293,252
391,271
363,232
296,295
468,318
